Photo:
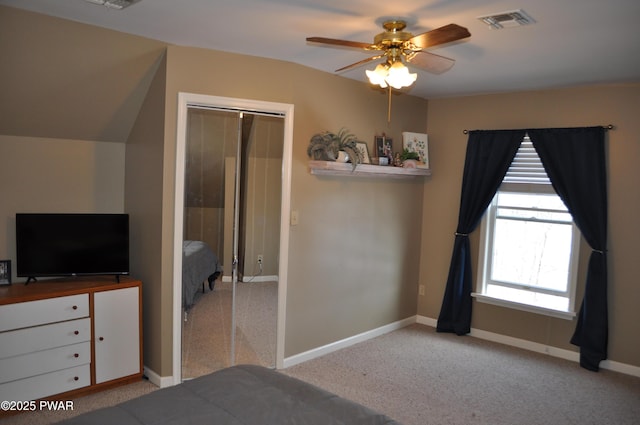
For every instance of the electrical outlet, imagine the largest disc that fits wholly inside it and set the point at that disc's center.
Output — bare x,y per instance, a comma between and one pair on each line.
421,290
260,258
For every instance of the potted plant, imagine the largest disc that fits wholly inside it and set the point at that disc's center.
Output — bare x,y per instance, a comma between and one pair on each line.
409,158
326,146
407,154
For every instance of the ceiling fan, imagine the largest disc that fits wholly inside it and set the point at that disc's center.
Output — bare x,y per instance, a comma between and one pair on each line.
396,46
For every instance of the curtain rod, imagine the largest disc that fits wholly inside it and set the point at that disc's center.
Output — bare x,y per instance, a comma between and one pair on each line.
606,127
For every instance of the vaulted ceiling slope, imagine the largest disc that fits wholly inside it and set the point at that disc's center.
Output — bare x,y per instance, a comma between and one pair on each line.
571,42
109,57
68,80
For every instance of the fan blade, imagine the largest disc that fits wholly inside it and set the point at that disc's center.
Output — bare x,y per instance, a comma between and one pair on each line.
359,63
336,42
343,43
442,35
430,62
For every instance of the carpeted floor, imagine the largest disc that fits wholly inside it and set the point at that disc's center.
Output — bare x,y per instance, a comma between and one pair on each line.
206,335
420,377
206,344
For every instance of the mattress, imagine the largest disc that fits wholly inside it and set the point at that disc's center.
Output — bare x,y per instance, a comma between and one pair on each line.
199,262
245,394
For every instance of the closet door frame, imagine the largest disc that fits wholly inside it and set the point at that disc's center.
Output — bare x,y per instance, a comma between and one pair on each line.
285,110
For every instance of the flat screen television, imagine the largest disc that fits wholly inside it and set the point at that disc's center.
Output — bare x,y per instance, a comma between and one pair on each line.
57,245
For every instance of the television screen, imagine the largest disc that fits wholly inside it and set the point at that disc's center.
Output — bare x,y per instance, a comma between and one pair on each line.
50,245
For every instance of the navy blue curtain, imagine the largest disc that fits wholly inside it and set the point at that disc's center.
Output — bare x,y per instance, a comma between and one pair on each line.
489,154
574,159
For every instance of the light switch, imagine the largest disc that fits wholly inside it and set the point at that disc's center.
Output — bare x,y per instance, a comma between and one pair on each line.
294,217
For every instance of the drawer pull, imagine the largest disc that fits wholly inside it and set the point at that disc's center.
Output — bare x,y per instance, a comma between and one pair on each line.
76,355
75,307
75,378
101,339
76,332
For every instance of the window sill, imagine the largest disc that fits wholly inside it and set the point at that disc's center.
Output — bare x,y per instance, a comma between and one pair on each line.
567,315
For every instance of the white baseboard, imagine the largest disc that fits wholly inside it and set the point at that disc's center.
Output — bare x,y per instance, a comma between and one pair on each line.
335,346
624,368
247,279
423,320
157,380
538,348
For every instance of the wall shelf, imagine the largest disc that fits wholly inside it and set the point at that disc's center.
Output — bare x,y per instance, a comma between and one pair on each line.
329,168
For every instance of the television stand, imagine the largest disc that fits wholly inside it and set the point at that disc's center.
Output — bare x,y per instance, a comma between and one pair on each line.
63,338
33,279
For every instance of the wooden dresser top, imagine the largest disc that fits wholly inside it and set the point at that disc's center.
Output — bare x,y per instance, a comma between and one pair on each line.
19,292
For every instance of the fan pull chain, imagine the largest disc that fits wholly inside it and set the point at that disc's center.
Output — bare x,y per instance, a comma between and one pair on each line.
389,107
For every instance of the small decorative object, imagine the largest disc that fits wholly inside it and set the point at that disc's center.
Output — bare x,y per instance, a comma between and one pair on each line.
397,161
384,147
326,146
409,157
342,157
5,272
364,152
418,143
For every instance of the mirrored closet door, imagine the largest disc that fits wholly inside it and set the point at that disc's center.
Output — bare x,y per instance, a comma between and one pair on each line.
231,232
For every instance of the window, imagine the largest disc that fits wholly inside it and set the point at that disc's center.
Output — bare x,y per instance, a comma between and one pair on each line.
529,243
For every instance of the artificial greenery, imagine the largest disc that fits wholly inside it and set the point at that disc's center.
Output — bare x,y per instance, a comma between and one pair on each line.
325,146
407,154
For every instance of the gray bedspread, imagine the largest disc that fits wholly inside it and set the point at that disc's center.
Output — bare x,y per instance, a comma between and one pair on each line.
246,394
198,263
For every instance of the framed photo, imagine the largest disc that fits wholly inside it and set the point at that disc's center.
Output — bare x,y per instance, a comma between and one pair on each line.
384,146
419,143
362,147
5,272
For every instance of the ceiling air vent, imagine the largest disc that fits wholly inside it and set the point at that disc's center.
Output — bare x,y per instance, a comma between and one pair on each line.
512,18
113,4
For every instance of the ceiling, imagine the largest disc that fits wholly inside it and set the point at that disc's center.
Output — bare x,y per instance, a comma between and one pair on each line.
572,42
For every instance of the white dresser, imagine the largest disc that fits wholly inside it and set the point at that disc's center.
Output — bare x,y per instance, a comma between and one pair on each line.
63,337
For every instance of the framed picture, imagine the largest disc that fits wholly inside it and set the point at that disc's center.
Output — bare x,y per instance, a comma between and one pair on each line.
384,146
362,147
5,272
418,143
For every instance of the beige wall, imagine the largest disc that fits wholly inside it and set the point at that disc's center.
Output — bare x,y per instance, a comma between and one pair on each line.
353,257
65,80
262,235
362,245
211,136
54,175
618,105
144,203
262,232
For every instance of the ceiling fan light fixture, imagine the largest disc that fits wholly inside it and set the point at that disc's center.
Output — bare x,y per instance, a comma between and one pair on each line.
396,75
399,76
378,75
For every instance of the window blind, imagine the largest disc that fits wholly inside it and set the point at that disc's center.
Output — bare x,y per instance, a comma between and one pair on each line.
526,173
526,167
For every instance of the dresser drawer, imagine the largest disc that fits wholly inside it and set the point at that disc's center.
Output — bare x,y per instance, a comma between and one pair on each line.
41,386
33,313
44,337
39,362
